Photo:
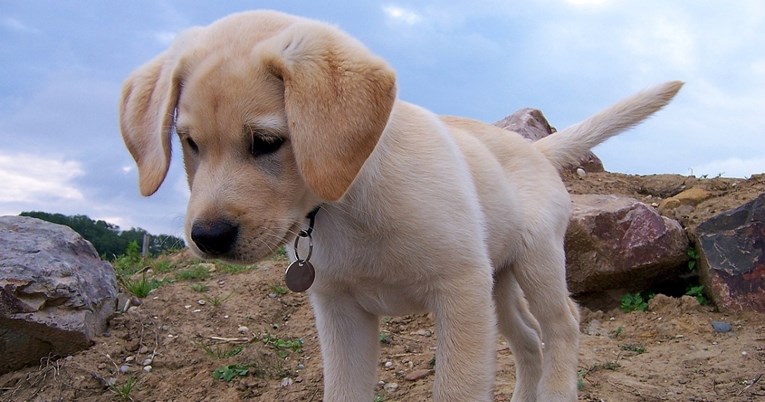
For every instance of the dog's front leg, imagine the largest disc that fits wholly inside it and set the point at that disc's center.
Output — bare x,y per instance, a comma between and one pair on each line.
465,348
348,336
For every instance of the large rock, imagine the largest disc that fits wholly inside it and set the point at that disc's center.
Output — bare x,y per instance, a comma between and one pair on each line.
532,124
616,242
732,257
55,292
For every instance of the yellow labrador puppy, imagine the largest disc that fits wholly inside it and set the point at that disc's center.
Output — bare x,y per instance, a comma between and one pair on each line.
279,115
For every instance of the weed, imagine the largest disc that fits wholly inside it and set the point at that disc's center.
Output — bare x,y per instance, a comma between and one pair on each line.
432,363
631,347
379,398
217,301
199,287
278,290
219,352
123,391
234,268
635,302
130,263
161,266
141,287
693,258
615,333
698,293
282,345
229,372
193,273
580,379
280,254
384,338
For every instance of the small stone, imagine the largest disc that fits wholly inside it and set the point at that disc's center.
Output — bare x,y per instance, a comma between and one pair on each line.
188,306
242,329
124,368
146,362
744,354
417,374
388,365
580,172
390,387
422,332
129,359
286,382
143,350
201,302
721,326
300,366
147,369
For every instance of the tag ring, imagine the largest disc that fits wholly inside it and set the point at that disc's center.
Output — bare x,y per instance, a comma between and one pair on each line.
303,233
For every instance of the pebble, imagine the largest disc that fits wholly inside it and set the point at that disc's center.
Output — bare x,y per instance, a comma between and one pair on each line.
242,329
129,359
580,172
390,387
146,362
147,369
721,326
201,302
417,374
286,382
124,368
422,332
388,365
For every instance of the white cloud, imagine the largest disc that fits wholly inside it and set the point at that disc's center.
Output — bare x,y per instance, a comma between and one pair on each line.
402,15
165,38
34,178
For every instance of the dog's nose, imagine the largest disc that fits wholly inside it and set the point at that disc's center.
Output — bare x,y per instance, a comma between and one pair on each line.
214,238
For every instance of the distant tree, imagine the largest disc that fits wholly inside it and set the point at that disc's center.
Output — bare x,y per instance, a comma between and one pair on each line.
107,238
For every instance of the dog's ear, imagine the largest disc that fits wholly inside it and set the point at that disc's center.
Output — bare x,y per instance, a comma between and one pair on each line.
338,98
147,113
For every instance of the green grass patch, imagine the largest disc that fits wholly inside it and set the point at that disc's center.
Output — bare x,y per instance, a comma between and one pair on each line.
234,268
635,302
231,371
193,273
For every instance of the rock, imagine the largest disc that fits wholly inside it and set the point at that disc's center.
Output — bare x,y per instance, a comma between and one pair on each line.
286,382
532,124
691,197
617,242
731,249
720,326
417,374
55,292
390,387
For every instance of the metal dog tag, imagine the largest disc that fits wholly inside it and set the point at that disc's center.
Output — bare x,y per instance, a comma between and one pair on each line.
299,276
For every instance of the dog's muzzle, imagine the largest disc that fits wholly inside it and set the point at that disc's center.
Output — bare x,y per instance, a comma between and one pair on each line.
214,238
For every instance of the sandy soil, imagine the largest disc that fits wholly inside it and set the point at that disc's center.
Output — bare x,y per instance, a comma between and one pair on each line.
669,353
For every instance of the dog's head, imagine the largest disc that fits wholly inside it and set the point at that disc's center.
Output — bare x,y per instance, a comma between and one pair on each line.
275,115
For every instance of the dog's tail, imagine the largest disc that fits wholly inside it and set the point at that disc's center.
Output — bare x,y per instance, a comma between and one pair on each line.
567,147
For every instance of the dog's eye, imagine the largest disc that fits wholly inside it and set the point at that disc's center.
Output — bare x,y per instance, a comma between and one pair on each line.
192,145
265,144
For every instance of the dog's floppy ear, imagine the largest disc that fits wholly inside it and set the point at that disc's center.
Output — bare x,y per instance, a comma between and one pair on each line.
147,111
338,97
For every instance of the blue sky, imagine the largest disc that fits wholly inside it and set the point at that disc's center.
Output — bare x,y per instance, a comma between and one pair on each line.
62,64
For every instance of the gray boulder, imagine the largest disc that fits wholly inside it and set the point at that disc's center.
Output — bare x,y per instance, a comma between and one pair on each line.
616,242
731,249
532,124
56,294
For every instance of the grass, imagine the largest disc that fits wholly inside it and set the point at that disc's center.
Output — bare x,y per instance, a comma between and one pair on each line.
141,287
631,347
199,287
217,301
234,268
123,391
193,273
281,345
698,293
384,338
279,290
220,352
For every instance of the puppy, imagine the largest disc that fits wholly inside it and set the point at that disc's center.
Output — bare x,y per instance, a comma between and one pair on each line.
278,115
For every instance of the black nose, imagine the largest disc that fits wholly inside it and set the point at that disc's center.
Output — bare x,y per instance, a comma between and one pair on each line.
214,238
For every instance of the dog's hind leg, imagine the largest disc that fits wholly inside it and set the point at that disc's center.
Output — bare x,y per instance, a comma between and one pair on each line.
541,272
522,332
348,336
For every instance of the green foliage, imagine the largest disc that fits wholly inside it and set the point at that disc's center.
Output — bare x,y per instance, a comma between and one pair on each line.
282,345
384,338
220,352
123,391
234,268
279,290
693,259
698,293
228,372
193,273
631,347
635,302
280,254
199,287
141,287
107,238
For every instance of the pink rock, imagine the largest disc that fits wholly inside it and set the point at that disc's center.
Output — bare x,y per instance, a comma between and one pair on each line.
616,242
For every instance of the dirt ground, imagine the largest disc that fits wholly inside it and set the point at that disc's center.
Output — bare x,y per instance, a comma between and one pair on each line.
170,346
